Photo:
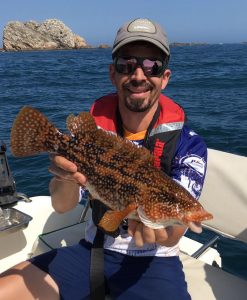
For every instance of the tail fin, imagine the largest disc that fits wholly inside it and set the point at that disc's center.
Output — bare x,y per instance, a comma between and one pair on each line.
32,133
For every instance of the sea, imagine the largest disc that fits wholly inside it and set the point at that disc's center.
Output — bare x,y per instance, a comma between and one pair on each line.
209,81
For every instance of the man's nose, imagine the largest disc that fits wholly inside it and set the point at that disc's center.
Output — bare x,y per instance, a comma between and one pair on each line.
139,74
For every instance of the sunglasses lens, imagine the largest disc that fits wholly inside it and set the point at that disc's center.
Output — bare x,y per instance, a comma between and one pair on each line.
128,66
152,67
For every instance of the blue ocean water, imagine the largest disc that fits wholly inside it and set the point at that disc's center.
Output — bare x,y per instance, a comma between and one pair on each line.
209,81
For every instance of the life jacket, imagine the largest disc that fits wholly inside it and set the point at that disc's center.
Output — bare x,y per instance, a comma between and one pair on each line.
161,138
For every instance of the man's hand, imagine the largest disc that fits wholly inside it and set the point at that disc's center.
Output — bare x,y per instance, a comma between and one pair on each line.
64,169
168,236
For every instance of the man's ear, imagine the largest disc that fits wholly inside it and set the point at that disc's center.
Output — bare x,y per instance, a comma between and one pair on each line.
165,78
112,74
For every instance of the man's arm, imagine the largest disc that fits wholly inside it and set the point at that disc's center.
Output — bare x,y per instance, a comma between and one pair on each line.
65,186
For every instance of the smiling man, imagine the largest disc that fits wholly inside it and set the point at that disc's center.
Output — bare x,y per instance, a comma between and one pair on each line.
139,93
140,259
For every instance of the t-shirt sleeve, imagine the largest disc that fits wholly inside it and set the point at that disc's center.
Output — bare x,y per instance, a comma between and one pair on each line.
190,162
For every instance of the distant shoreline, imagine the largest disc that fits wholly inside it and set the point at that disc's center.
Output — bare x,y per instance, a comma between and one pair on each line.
172,45
57,49
180,44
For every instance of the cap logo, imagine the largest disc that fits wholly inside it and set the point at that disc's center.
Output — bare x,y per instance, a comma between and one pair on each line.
142,25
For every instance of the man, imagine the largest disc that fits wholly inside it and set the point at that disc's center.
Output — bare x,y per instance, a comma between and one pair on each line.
141,261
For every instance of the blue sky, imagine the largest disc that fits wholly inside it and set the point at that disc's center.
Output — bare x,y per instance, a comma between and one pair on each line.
211,21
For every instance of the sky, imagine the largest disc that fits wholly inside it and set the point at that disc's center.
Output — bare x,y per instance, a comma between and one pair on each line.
209,21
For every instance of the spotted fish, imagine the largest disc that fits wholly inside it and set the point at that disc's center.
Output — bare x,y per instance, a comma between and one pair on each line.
119,174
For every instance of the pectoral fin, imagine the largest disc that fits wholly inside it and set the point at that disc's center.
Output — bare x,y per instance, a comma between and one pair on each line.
112,219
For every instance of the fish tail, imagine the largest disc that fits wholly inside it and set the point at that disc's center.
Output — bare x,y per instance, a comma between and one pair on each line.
32,133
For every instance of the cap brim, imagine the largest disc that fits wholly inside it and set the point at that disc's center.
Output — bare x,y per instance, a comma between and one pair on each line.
141,38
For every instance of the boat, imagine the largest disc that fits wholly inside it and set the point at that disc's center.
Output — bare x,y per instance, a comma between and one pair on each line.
38,228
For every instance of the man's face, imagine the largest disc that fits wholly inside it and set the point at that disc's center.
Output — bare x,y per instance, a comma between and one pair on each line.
136,91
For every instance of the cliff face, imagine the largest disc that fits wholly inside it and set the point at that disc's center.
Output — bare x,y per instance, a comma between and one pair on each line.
48,35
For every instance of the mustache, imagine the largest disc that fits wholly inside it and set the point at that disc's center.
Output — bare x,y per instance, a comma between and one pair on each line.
137,83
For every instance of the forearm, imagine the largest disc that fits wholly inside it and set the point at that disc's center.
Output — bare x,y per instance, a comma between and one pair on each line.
64,194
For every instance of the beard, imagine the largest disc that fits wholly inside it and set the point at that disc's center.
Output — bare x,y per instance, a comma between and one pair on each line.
141,104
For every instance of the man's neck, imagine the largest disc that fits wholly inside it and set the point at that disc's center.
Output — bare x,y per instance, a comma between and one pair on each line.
137,121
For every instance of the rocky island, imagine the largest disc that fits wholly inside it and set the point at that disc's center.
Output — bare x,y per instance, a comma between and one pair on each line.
180,44
49,35
52,34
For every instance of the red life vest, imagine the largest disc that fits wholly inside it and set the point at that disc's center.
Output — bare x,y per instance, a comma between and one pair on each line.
163,136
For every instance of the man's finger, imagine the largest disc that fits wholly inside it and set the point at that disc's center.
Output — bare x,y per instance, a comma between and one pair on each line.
161,235
138,235
132,224
64,163
148,234
80,178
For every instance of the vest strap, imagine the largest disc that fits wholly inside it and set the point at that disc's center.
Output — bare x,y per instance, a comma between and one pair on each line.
97,279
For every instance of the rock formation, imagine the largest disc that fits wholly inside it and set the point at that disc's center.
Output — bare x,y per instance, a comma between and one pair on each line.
48,35
104,46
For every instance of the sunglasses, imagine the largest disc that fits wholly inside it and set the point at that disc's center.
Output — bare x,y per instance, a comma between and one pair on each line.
151,67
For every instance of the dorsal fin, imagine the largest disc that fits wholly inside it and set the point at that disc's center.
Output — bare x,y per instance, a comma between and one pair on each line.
81,124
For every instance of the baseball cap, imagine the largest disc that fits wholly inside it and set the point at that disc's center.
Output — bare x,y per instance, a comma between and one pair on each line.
141,30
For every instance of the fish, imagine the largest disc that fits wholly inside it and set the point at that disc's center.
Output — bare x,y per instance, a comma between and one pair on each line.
119,174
